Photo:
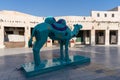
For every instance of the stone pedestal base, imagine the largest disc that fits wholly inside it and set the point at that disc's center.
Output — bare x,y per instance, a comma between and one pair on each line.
52,64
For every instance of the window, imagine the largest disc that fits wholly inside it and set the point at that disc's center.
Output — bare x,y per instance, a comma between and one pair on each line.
21,32
98,15
9,32
101,33
1,20
105,15
87,33
113,15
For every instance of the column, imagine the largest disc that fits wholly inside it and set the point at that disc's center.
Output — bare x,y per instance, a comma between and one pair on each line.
107,42
49,42
86,37
72,42
2,36
118,36
93,37
27,35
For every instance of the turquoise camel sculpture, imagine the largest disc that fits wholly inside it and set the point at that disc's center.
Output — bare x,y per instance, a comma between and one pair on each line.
56,31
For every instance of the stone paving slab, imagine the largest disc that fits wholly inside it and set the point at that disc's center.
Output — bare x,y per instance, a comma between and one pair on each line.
105,64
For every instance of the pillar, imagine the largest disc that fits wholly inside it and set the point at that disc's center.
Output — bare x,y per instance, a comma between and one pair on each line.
93,37
72,43
2,36
107,37
27,35
86,38
49,42
118,36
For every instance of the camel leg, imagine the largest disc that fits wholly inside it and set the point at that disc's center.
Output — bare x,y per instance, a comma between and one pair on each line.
40,41
66,50
61,50
36,50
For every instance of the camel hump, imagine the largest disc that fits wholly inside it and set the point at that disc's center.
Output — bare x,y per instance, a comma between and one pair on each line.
59,27
42,26
50,20
61,21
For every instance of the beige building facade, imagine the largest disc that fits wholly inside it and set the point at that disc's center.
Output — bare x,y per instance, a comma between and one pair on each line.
15,27
101,28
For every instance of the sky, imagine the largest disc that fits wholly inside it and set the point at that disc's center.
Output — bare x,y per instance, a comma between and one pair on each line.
58,7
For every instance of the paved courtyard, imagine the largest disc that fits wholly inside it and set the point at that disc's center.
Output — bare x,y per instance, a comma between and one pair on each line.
105,64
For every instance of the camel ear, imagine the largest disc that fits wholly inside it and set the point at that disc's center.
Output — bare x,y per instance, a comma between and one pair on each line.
75,25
